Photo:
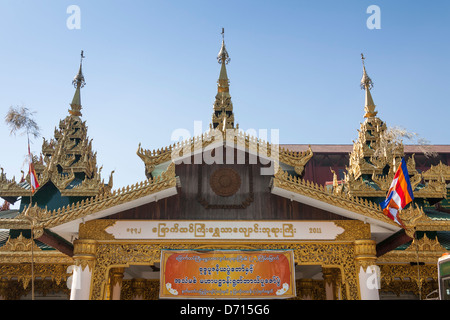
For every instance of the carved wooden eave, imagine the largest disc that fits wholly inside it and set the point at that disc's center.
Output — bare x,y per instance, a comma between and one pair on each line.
234,138
64,221
345,205
415,219
18,250
438,172
45,257
423,250
428,185
16,258
10,188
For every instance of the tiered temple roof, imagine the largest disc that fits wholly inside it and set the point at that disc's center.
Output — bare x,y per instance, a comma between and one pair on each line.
223,116
68,173
376,156
67,167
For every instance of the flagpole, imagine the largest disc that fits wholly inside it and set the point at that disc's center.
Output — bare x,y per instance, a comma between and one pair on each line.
416,240
419,283
396,202
31,222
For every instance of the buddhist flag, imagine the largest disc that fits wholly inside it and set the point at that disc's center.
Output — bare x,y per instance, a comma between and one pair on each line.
32,172
399,195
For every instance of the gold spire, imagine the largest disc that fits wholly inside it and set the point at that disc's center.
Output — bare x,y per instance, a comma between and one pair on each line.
223,117
78,82
367,84
223,58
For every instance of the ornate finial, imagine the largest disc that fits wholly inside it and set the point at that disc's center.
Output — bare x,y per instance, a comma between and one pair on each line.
223,56
223,117
78,81
366,82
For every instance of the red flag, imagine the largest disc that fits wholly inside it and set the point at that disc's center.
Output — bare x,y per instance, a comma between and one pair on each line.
33,178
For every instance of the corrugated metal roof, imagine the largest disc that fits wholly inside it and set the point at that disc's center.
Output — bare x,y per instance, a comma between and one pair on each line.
347,148
4,235
437,215
9,214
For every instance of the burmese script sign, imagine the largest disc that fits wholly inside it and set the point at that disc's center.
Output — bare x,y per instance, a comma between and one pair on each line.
227,274
225,229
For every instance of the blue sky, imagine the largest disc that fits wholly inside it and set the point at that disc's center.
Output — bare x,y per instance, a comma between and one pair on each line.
151,68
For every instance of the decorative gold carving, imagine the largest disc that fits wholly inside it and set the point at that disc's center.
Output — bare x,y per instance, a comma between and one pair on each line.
67,156
437,172
312,190
232,137
22,272
415,218
366,176
375,158
48,219
19,244
425,244
236,205
152,158
84,253
225,182
309,289
95,229
354,229
110,255
365,253
296,159
146,289
117,275
10,188
138,286
401,278
305,288
425,250
18,250
42,256
401,287
13,290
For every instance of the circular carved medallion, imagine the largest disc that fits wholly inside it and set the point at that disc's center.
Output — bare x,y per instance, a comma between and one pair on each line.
225,182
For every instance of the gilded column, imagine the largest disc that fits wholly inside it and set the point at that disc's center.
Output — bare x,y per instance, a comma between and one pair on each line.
337,284
116,282
138,287
306,289
84,257
368,271
330,285
3,289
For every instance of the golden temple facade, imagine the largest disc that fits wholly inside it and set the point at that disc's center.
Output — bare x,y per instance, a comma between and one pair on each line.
81,239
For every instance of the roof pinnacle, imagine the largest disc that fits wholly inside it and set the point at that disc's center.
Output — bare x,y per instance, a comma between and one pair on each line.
223,117
223,56
367,84
78,82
